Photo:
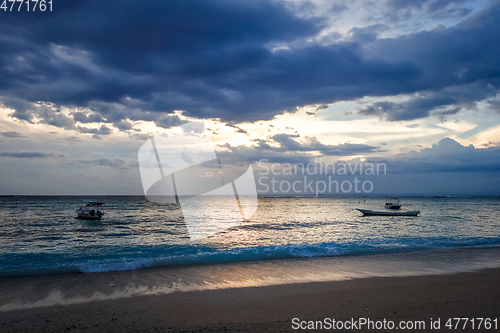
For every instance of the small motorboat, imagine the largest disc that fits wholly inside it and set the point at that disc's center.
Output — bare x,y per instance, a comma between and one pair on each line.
389,213
392,203
90,211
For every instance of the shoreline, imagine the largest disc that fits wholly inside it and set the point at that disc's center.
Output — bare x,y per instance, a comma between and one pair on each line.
272,308
18,293
49,271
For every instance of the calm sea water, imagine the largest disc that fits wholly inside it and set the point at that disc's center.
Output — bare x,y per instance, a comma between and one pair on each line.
41,234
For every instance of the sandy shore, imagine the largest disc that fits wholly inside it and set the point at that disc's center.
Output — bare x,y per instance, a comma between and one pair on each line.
272,308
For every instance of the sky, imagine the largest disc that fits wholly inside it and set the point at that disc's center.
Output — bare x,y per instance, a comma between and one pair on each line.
414,85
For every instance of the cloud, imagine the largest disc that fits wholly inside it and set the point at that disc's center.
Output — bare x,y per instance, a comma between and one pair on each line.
494,104
11,134
123,125
238,129
286,148
287,142
167,121
38,113
445,156
103,130
87,118
416,107
163,50
115,162
215,59
194,127
31,154
141,136
433,8
54,117
460,66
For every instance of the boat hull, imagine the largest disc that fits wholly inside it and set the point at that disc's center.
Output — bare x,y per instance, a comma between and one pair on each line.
87,217
389,213
84,214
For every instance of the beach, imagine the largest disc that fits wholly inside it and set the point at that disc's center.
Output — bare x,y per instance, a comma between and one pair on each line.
423,289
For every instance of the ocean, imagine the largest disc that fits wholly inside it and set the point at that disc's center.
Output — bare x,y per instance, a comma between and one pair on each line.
41,235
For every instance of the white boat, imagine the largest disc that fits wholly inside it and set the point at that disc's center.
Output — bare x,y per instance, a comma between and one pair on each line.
392,203
90,211
389,213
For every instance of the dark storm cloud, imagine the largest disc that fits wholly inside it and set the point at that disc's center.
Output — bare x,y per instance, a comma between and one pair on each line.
461,67
214,59
168,47
31,154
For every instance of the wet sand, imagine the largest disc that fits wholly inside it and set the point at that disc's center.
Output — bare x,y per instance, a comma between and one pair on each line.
252,308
